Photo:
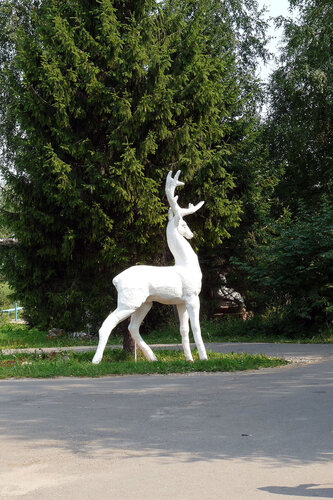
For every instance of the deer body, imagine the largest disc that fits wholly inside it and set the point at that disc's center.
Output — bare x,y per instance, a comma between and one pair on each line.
139,286
160,284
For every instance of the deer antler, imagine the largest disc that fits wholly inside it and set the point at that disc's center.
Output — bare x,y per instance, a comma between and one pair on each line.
170,186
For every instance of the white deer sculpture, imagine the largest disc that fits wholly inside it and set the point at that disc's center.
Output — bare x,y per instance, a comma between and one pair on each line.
139,286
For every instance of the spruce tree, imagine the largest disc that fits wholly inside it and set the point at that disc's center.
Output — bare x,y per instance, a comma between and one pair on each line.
99,100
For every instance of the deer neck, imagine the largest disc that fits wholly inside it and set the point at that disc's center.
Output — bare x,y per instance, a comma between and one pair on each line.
180,248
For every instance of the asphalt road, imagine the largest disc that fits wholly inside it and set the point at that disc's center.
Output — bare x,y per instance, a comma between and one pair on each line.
264,434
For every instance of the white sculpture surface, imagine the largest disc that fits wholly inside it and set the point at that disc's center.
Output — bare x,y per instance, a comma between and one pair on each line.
139,286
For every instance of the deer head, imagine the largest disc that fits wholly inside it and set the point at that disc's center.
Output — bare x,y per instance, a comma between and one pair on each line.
175,211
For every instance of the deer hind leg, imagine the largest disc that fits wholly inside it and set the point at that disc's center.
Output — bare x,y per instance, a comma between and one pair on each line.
193,309
108,325
184,331
134,326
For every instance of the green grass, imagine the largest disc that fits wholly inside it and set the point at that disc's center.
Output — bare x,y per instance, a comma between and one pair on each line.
260,329
14,336
115,362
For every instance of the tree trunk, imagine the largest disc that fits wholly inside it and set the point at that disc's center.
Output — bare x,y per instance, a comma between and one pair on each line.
128,342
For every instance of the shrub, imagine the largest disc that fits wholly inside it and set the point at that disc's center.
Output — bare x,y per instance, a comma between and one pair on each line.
292,271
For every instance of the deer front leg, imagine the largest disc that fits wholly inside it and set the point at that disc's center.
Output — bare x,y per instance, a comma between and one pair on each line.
184,331
134,326
193,309
108,325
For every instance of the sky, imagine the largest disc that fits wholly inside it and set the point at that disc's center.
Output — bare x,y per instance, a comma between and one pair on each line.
274,8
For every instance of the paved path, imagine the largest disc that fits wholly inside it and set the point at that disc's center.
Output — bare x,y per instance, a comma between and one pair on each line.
264,434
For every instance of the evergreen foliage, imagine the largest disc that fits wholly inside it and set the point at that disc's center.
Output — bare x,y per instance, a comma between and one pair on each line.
98,101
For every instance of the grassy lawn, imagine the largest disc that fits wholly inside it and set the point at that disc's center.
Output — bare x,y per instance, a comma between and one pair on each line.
20,336
115,362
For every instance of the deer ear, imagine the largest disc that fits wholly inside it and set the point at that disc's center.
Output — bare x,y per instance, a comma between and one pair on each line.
177,219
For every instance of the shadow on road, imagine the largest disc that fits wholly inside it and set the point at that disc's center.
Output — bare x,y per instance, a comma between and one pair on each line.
272,416
303,490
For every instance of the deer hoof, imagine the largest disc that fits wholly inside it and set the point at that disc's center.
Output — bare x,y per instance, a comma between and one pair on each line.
96,360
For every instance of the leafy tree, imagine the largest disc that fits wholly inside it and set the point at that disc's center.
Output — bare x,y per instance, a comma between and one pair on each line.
99,100
288,263
300,121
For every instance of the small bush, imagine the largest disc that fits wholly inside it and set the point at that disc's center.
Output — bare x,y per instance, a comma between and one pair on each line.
6,299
